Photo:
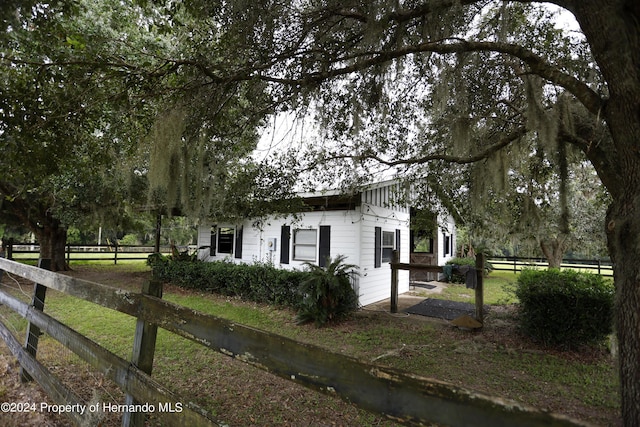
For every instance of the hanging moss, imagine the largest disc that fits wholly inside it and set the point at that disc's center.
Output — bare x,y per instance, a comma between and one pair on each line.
165,140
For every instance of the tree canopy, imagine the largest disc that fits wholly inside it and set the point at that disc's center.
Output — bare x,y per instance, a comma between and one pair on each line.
462,81
437,88
64,128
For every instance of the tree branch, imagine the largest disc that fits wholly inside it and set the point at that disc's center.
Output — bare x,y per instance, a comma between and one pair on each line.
505,141
589,98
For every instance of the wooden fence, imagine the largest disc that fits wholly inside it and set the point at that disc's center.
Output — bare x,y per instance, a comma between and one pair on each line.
402,397
114,253
516,264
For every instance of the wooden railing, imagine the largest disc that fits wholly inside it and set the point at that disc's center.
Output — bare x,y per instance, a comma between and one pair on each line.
399,396
478,288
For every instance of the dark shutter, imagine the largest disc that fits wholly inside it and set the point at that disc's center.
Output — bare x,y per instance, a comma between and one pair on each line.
324,253
238,254
445,243
285,238
377,262
214,240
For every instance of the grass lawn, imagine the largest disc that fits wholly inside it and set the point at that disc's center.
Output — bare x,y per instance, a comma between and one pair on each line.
497,290
496,361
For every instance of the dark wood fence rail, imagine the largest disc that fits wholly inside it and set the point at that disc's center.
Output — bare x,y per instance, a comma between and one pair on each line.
114,252
479,286
515,264
400,396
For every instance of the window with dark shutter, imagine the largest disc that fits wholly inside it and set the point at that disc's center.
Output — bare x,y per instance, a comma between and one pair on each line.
305,243
225,240
388,240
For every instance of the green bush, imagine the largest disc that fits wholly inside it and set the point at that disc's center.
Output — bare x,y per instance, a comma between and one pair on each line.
320,294
258,282
328,295
565,308
461,261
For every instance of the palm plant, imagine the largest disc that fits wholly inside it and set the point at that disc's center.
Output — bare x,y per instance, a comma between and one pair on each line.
328,295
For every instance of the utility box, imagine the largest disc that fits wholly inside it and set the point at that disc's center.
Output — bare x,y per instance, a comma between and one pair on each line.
271,244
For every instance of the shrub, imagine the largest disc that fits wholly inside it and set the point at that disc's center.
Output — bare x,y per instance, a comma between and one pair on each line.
565,308
460,261
256,282
319,294
328,295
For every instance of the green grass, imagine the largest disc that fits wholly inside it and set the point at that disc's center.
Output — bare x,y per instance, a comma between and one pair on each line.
480,361
497,290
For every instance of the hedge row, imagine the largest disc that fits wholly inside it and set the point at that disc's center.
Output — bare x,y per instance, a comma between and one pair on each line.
565,308
258,282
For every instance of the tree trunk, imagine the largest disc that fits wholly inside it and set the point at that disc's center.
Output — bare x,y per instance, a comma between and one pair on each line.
553,250
613,31
623,239
52,237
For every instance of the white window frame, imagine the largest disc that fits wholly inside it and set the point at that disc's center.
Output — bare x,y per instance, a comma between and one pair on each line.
308,245
388,245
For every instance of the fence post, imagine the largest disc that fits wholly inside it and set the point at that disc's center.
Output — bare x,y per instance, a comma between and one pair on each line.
395,259
115,254
480,287
158,231
10,249
144,347
33,332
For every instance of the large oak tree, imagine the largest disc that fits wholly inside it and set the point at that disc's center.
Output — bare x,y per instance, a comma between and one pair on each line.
64,130
464,81
495,72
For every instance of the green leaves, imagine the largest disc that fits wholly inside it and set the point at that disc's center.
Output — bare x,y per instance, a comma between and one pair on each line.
76,41
565,308
327,293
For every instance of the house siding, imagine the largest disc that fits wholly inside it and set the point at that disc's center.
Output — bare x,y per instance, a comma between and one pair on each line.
352,234
375,282
343,238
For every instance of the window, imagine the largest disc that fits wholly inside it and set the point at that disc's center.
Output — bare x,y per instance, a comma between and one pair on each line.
225,240
304,245
421,242
388,238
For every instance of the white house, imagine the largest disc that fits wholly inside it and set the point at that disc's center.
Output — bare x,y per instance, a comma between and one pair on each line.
366,227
